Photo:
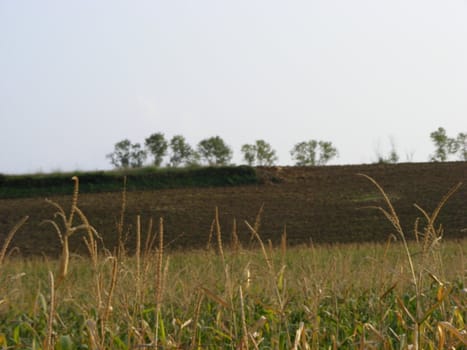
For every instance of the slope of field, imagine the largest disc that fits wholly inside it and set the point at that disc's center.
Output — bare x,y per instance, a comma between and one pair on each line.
313,204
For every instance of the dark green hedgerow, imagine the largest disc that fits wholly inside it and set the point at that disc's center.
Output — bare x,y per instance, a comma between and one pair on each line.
16,186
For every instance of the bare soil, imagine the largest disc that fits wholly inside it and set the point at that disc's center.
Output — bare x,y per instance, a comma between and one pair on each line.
312,204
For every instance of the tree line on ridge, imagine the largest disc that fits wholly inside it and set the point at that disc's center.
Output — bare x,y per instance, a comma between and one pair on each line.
213,151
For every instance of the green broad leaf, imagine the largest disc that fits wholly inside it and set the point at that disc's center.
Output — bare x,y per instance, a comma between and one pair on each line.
64,343
119,344
16,337
43,303
162,333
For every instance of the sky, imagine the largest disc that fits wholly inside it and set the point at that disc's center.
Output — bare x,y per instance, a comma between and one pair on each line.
76,77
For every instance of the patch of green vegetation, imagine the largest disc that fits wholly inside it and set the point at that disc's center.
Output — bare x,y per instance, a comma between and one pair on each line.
373,197
149,178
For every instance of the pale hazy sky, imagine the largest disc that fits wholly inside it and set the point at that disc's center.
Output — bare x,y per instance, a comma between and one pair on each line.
78,76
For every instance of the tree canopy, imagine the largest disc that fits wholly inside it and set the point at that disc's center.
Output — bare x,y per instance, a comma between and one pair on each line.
214,151
157,146
181,152
127,154
312,152
260,153
446,146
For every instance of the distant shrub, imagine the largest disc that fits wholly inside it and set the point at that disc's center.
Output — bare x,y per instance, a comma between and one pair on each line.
147,178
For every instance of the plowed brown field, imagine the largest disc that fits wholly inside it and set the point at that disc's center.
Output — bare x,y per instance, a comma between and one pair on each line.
314,204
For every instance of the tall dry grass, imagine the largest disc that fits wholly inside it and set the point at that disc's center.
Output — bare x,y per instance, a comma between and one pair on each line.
403,294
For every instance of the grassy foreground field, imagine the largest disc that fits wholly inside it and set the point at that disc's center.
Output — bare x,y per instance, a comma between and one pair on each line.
392,295
326,297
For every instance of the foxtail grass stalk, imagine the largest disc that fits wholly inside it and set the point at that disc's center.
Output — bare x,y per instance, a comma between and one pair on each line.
74,202
159,280
138,259
219,236
257,224
121,223
244,328
48,341
235,241
69,228
159,263
431,238
211,233
272,273
283,246
9,237
196,319
108,305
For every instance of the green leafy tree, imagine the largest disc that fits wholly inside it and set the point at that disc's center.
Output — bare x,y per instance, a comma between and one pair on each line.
445,146
312,152
441,141
249,154
157,146
265,155
304,153
462,145
127,155
214,151
326,152
120,157
137,156
182,153
259,153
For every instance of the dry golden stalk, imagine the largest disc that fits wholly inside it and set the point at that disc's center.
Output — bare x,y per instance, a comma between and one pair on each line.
159,280
74,202
254,332
159,263
108,305
9,237
258,218
213,296
283,245
244,329
90,241
235,242
211,232
270,265
334,342
257,223
447,328
121,223
298,335
431,238
148,253
69,228
392,216
219,235
92,330
263,249
196,318
48,341
91,245
64,259
138,258
149,243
